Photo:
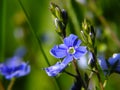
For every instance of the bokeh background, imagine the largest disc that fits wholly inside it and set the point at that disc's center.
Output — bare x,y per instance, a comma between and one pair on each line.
22,20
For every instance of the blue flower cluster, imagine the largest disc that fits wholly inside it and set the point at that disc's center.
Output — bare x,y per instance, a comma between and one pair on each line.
14,67
69,50
111,65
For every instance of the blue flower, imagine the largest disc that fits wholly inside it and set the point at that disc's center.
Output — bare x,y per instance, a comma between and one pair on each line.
114,62
14,67
103,64
111,65
70,50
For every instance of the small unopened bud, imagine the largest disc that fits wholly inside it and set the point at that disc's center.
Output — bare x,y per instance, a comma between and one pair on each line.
52,8
85,25
60,28
92,34
58,13
64,16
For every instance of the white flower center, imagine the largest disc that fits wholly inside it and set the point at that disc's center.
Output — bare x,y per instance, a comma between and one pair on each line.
71,50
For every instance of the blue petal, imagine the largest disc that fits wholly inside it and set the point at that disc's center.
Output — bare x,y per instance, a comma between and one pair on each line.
80,51
103,64
59,51
114,59
67,59
69,41
55,69
14,61
14,67
77,43
19,71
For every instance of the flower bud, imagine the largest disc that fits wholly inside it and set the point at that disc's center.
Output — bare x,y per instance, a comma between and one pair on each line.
64,16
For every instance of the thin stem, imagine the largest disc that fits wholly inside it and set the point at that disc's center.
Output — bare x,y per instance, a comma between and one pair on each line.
97,73
78,74
37,39
11,84
89,78
70,74
32,30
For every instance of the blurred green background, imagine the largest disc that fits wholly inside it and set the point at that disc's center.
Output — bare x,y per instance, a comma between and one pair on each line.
19,17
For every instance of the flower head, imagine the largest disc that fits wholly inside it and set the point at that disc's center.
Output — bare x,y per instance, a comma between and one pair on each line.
69,50
111,65
14,67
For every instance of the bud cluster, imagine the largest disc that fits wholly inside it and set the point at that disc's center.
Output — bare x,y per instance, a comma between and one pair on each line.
60,19
88,34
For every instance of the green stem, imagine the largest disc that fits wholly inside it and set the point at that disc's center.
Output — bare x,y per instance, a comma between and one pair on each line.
37,39
32,30
70,74
97,71
2,50
78,74
11,84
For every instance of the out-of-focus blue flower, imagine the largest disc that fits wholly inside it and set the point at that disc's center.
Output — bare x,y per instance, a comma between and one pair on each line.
112,65
114,62
70,50
14,67
103,64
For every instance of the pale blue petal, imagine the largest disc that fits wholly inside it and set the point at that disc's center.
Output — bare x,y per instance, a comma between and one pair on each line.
55,69
14,61
80,52
59,51
69,41
63,47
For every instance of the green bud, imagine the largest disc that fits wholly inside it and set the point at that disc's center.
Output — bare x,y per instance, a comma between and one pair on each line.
60,27
89,32
85,25
58,13
52,8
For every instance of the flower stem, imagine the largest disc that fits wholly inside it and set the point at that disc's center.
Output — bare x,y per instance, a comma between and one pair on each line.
33,32
37,38
97,72
78,74
70,74
11,84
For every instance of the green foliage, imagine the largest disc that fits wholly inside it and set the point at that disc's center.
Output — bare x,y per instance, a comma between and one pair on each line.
34,20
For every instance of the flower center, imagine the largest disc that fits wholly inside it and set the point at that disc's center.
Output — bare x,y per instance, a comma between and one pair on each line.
71,50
